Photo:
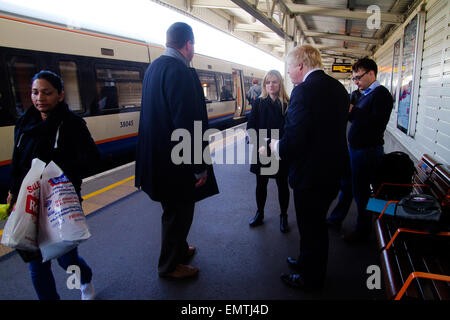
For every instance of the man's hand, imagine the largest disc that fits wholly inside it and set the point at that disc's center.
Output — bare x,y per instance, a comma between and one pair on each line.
272,144
262,151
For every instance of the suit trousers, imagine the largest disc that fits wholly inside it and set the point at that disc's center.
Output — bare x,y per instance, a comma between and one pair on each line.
176,222
339,212
364,163
311,208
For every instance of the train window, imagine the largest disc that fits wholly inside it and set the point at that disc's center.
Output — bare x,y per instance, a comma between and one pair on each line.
208,82
21,70
69,74
118,88
247,83
227,88
108,74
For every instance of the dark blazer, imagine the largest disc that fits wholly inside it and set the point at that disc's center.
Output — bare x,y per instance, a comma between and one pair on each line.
76,153
266,114
314,140
369,118
172,99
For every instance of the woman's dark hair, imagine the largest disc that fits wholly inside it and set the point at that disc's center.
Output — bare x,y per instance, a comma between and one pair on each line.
178,34
51,77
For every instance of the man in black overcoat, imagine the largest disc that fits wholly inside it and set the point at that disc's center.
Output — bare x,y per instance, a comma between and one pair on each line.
315,145
173,107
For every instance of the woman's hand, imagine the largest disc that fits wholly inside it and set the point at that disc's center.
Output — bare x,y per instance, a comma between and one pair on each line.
10,198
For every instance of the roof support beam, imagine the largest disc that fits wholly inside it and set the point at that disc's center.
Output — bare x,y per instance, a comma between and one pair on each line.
302,9
344,50
274,42
342,13
262,18
252,28
337,36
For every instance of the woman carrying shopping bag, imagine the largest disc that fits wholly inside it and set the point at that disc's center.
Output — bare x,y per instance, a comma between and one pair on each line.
50,131
268,113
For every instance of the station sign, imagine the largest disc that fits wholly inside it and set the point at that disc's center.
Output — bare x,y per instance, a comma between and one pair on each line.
342,67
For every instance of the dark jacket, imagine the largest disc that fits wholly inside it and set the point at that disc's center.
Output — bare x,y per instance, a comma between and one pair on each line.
76,153
172,98
314,140
369,119
267,114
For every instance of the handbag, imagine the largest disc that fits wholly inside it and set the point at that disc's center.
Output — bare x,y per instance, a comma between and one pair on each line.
419,207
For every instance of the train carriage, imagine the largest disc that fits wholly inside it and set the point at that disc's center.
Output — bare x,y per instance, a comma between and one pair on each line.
102,76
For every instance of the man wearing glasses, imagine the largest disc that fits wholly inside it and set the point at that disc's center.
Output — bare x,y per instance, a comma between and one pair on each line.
369,118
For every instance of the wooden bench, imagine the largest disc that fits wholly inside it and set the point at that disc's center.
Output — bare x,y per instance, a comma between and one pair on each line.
415,257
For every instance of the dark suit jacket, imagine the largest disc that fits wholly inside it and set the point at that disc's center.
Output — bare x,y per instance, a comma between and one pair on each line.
314,140
172,99
369,118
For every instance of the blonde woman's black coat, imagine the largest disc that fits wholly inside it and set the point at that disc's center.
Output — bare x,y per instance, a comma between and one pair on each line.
267,115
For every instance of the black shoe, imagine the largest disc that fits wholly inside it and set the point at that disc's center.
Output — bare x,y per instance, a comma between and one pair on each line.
257,220
355,237
296,280
293,263
284,223
293,280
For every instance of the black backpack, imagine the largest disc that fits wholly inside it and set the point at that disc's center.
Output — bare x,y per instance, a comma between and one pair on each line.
395,167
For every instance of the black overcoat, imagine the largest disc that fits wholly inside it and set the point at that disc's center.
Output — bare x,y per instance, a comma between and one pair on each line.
76,153
267,114
172,98
314,139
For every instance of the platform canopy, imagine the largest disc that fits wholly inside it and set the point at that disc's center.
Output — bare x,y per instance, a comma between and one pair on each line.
343,30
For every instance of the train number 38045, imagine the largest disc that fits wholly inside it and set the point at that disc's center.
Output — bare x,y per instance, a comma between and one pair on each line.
124,124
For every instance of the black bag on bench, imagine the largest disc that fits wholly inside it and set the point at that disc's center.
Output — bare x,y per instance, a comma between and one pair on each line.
419,207
395,167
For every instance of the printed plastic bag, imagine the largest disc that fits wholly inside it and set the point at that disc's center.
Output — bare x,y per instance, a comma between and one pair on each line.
20,231
62,224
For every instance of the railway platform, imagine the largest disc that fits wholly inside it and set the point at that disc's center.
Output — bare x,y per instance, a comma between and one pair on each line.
236,262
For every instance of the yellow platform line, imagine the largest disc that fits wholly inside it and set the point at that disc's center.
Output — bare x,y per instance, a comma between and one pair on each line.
90,195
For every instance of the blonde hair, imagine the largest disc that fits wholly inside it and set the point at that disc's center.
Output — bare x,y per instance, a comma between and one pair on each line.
307,55
282,95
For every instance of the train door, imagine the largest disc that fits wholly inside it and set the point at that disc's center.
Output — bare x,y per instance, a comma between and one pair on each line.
239,92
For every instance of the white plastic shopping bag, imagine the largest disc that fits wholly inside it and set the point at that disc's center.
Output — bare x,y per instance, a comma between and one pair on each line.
62,224
20,231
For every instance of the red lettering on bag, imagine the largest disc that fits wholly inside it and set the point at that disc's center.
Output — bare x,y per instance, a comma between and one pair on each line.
32,205
34,186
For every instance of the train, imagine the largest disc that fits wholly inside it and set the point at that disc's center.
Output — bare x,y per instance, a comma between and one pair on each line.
102,76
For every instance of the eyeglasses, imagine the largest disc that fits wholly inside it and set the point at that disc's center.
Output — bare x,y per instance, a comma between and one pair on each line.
357,78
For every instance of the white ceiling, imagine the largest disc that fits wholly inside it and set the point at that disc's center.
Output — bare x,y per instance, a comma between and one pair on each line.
338,28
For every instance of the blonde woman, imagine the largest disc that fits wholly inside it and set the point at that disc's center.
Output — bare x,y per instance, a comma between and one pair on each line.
268,112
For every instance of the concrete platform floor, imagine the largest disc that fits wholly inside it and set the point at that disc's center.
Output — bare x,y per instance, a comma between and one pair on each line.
236,262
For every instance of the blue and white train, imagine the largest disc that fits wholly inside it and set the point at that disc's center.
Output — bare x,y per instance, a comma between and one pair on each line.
103,81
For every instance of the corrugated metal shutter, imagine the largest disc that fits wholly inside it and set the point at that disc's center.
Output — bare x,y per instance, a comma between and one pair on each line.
432,135
433,121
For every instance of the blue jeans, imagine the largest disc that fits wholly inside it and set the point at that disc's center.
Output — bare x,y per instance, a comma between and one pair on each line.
42,276
345,201
364,163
